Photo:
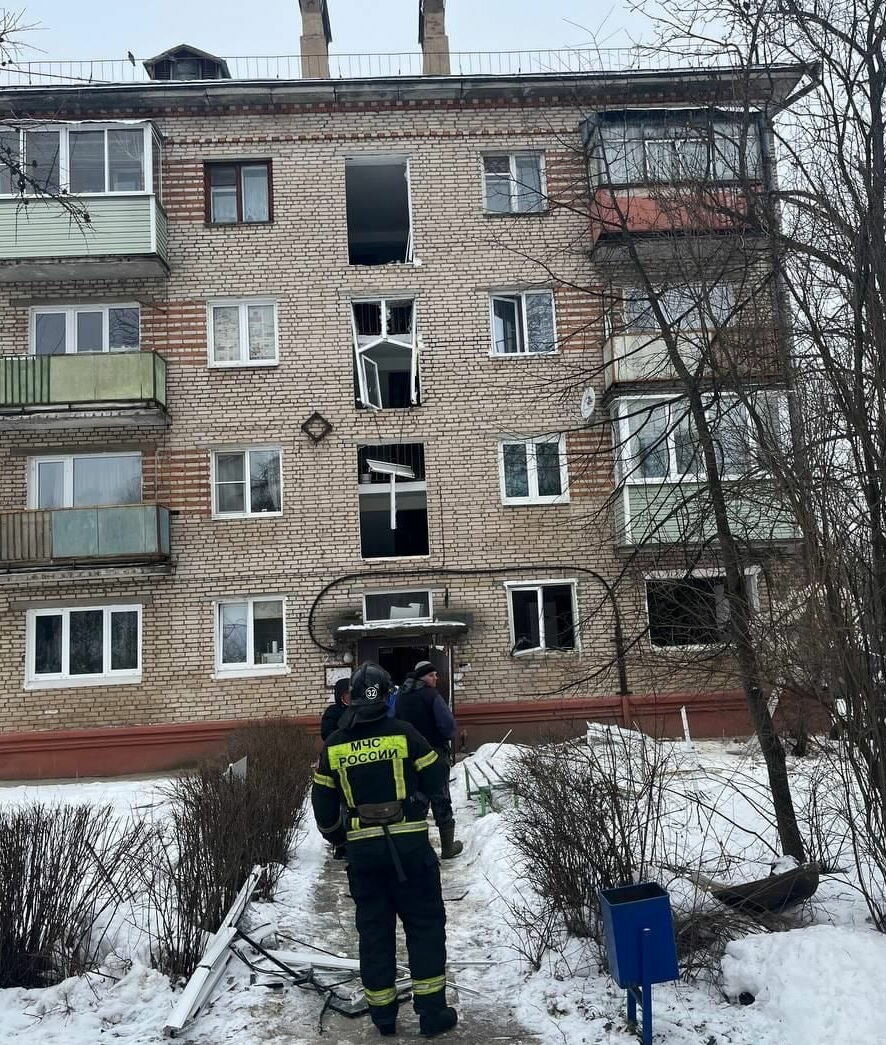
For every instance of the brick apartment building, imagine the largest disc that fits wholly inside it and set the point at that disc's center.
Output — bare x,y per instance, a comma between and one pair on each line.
298,394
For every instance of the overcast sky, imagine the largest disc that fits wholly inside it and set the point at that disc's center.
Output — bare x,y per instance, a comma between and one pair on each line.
110,28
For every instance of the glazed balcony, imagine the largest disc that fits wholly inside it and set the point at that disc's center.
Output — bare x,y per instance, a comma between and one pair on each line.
99,390
129,533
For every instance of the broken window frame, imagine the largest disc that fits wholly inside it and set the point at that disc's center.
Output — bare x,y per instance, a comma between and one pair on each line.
243,305
64,678
384,160
249,667
721,605
394,486
367,369
424,618
533,496
511,587
523,344
71,312
514,183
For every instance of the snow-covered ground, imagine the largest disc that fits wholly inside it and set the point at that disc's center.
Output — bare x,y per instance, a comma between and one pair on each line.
814,985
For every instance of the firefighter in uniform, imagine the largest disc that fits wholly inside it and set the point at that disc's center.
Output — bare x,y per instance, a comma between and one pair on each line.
384,773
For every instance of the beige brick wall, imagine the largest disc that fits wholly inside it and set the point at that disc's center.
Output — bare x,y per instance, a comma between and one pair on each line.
469,401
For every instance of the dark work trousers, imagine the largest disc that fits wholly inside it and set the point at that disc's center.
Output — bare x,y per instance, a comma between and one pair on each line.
380,898
442,807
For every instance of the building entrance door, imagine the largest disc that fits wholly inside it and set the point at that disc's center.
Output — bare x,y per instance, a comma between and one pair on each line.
399,657
398,661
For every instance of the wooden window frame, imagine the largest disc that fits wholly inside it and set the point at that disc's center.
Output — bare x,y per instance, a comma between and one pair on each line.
238,164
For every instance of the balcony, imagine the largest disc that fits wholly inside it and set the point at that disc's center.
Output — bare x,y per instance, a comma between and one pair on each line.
126,238
130,533
99,390
641,360
680,513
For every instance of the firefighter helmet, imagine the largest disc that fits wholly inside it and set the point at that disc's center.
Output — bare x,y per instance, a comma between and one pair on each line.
370,686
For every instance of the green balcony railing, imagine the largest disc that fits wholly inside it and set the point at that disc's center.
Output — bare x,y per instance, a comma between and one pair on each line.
681,513
32,383
124,532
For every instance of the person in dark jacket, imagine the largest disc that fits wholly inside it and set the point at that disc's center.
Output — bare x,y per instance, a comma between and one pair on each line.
332,715
419,704
382,770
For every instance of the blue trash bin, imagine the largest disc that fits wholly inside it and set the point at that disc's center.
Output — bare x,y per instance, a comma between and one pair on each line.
627,911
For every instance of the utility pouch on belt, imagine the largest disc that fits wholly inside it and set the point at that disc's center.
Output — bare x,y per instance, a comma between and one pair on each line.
383,814
380,814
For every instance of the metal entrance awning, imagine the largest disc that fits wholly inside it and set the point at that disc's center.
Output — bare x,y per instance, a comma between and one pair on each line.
396,629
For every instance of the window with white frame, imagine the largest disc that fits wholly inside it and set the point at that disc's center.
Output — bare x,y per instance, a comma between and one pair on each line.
60,330
534,471
691,610
383,607
513,183
543,616
242,332
658,442
250,636
522,323
675,147
393,498
687,307
385,353
246,482
84,480
80,158
88,645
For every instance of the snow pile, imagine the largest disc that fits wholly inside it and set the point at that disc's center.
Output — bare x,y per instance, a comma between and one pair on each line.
821,985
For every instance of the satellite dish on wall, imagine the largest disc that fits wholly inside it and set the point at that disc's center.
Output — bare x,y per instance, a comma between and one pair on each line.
587,403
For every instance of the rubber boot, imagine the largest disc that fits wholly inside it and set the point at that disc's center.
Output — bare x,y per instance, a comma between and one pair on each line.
449,847
437,1021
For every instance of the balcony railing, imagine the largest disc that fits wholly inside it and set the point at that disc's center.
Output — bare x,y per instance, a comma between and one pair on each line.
68,536
383,65
101,380
125,236
680,513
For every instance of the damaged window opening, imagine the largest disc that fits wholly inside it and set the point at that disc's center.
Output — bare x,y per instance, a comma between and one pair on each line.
691,611
384,607
385,353
542,617
378,206
393,500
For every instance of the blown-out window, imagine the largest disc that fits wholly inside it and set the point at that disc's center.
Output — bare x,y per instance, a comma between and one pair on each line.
385,353
378,209
543,616
692,610
393,500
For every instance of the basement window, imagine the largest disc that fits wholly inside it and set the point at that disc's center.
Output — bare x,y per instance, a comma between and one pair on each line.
378,207
385,353
543,616
393,500
691,611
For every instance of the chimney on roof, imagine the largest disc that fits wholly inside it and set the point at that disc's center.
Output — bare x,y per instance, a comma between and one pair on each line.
432,37
315,38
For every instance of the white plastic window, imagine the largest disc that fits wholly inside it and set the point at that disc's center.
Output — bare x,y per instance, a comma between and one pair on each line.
523,323
514,183
85,328
385,353
247,482
243,333
250,636
534,471
86,646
